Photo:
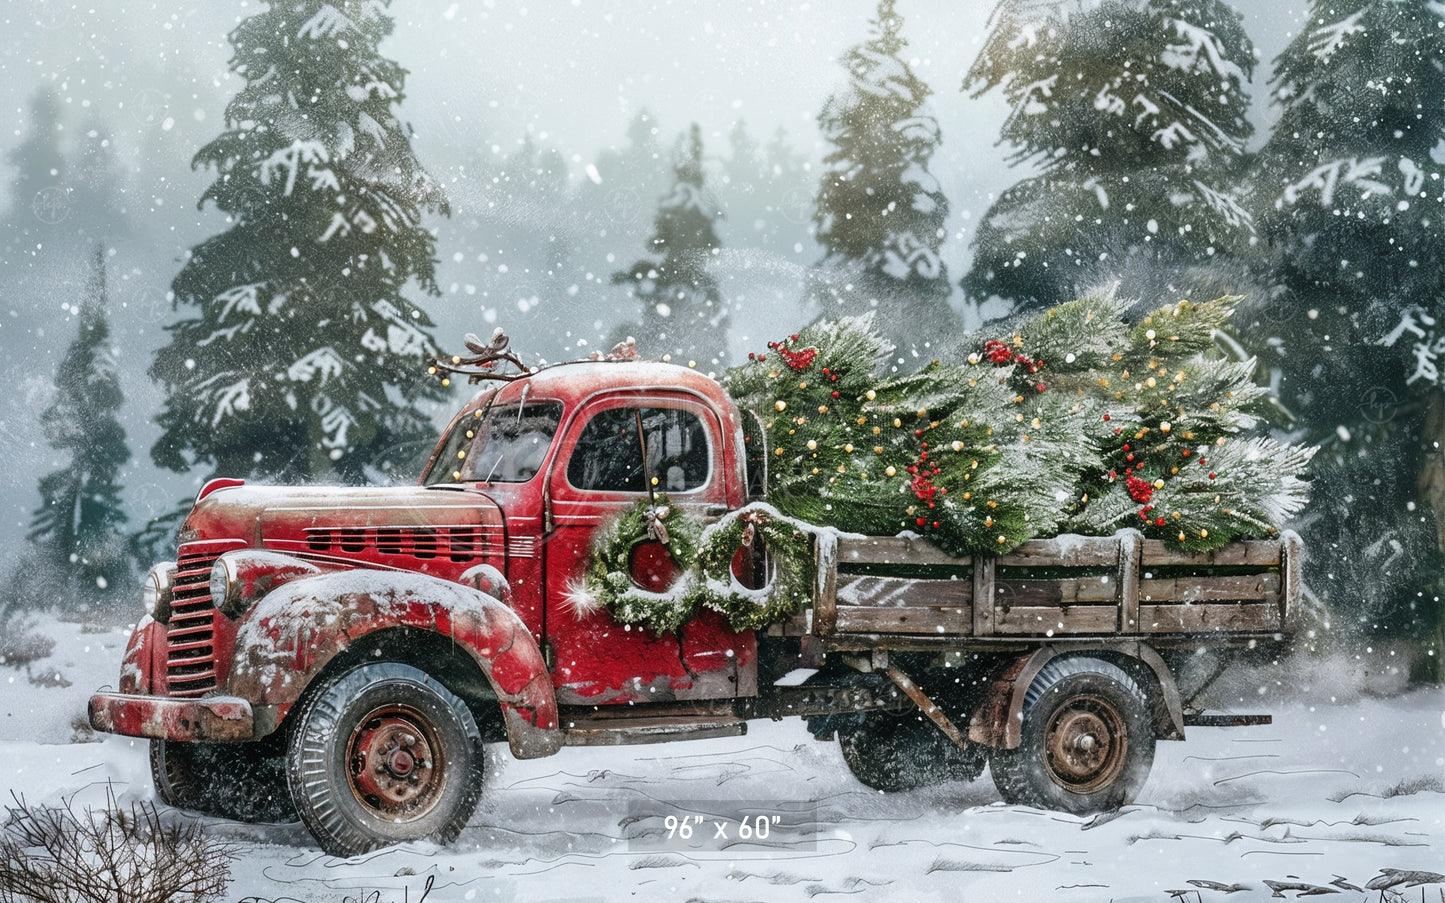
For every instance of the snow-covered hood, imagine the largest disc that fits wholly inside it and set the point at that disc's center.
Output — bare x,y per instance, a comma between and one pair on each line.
348,522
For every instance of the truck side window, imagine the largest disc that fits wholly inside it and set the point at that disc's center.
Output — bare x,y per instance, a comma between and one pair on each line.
608,457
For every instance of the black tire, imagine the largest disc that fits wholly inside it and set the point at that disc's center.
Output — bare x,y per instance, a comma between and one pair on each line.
240,781
894,753
1087,742
384,754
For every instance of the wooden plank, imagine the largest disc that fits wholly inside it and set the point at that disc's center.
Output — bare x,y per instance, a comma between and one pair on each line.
1247,587
983,592
1262,552
1292,584
1067,591
825,595
797,625
1067,620
901,592
1131,550
1207,618
893,550
928,621
1064,551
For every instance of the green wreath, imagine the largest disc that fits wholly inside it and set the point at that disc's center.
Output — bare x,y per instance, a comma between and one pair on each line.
790,551
609,582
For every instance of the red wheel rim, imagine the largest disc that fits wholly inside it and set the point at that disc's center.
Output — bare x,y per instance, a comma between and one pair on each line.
395,764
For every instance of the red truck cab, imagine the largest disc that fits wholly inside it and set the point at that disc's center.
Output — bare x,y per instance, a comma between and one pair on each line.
464,591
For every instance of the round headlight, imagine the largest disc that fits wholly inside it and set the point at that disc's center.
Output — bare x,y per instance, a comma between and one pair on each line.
225,590
156,592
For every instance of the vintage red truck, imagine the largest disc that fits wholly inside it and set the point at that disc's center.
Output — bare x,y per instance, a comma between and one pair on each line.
343,653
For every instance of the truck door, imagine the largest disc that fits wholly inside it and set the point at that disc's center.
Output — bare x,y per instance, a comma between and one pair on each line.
598,472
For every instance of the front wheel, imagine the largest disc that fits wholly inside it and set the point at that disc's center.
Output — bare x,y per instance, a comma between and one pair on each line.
381,755
1087,742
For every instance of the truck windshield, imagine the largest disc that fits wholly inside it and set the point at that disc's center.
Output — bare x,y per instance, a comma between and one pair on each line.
503,443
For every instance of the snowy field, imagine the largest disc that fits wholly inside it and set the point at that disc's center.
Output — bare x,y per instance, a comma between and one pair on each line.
1325,801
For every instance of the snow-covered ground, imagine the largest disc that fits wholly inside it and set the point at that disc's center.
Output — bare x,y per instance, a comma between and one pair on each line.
1331,796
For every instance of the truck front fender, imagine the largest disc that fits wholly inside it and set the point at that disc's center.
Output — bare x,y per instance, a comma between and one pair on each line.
287,638
998,719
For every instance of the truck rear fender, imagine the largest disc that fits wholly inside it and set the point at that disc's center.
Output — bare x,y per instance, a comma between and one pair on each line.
289,637
998,719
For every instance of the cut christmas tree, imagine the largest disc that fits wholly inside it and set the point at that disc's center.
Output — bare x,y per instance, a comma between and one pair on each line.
1078,422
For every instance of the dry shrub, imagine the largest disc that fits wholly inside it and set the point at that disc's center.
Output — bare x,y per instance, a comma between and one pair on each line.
50,854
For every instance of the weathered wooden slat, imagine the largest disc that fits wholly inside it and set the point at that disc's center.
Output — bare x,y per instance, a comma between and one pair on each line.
930,621
1247,588
1055,592
1131,550
1064,551
1064,620
1263,552
901,592
893,550
1291,564
825,593
983,593
1204,618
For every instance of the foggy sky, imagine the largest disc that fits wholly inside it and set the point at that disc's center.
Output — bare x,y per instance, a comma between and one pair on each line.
483,75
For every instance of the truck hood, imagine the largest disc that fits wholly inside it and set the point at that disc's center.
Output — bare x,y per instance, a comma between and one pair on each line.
368,525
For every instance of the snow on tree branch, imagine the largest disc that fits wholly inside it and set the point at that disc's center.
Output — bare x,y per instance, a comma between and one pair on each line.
1327,177
1428,347
1201,51
292,157
326,23
322,363
1330,38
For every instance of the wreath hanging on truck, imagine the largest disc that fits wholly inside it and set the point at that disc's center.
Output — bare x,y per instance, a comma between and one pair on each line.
655,565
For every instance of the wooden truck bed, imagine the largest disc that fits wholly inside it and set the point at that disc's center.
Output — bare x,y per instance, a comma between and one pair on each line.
907,593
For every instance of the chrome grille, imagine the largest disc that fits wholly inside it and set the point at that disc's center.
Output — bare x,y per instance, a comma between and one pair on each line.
190,635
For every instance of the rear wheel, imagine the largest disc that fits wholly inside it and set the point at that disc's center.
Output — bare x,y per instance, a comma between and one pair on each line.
240,781
382,755
893,753
1087,742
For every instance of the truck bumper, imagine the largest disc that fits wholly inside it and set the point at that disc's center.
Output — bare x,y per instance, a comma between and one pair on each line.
212,719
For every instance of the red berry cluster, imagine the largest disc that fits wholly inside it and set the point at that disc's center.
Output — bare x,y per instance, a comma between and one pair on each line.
1140,490
797,360
1000,355
923,471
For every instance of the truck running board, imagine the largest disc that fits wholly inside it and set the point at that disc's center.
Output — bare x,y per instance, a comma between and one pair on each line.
657,729
1226,720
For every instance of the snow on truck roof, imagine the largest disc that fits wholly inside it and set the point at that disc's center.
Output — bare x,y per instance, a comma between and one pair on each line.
577,379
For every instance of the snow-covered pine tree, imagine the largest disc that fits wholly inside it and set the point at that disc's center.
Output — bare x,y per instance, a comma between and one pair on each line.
78,530
299,356
1175,420
766,194
683,311
1076,422
960,454
1350,195
880,213
40,165
1133,114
